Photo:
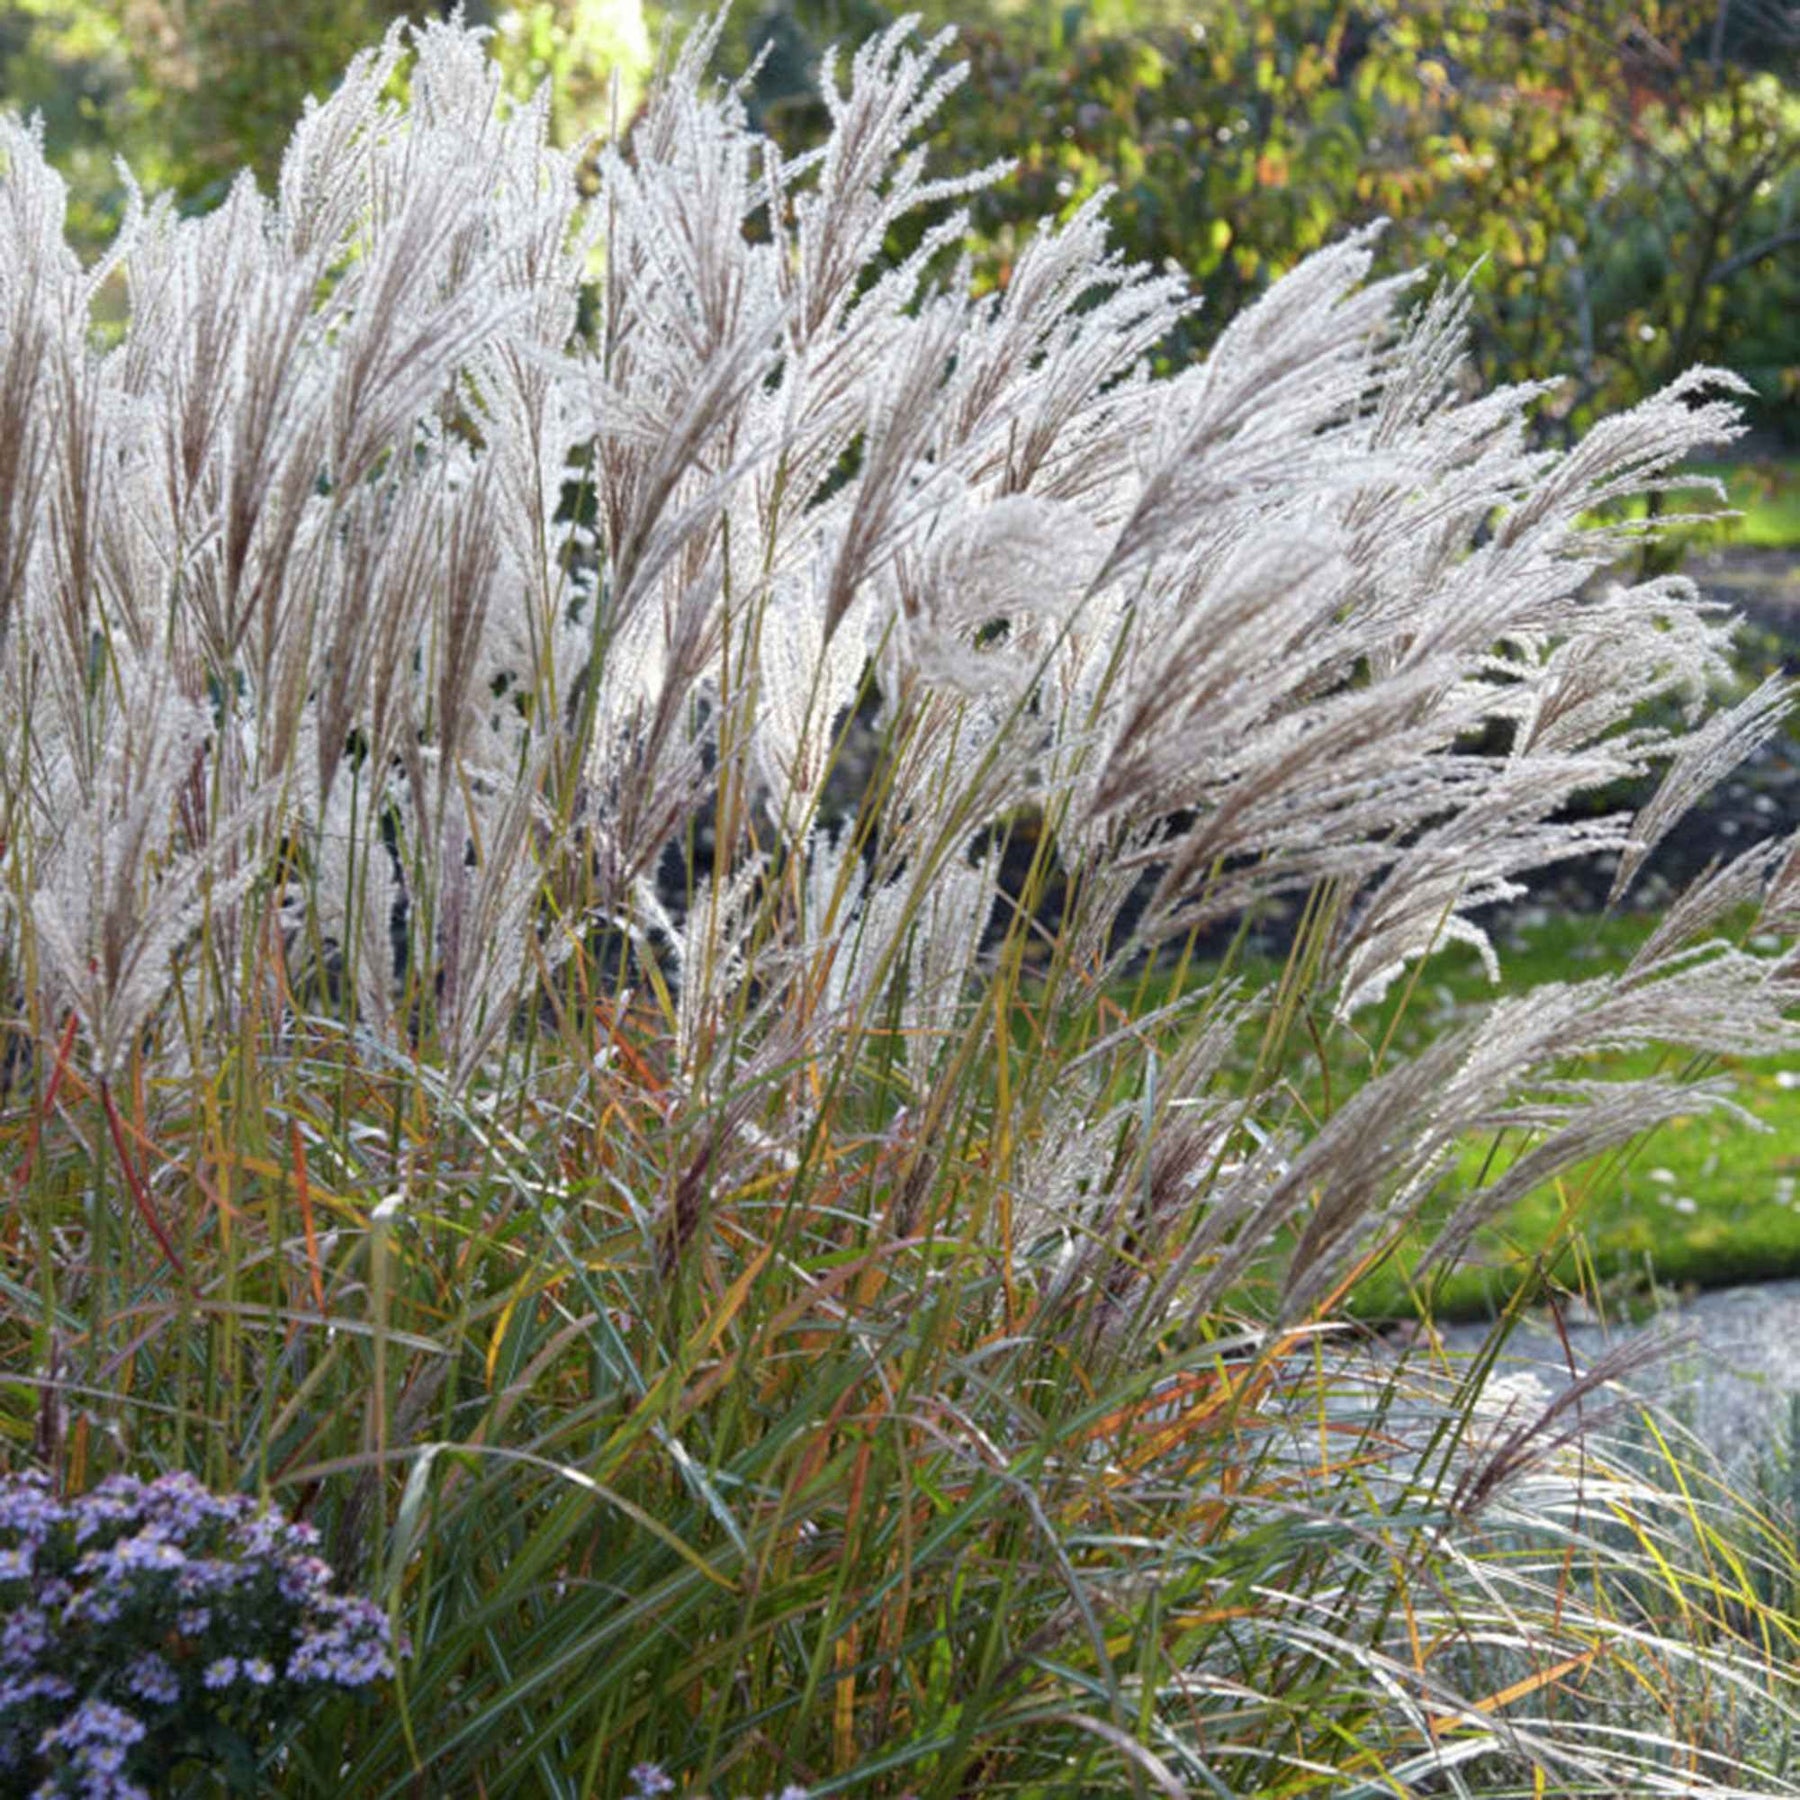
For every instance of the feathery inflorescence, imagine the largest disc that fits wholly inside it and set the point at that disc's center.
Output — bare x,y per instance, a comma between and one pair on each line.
481,582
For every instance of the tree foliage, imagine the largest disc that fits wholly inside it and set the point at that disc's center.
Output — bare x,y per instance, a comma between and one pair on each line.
190,91
1621,178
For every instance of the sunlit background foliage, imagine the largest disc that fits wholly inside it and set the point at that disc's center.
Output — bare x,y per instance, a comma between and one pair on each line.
1624,174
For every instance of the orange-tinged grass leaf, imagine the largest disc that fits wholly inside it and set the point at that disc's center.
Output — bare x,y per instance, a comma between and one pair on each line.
825,1287
139,1193
64,1049
1521,1689
1172,1393
317,1196
1226,1390
1414,1642
730,1304
649,1409
715,1328
303,1197
498,1335
1213,1615
843,1709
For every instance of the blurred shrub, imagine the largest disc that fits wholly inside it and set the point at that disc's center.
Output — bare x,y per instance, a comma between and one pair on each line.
1621,179
190,91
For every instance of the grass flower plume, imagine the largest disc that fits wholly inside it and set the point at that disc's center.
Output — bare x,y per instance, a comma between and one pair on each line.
622,811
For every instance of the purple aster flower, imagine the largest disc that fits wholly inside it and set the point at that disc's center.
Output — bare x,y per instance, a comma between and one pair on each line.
95,1740
145,1553
650,1782
28,1509
179,1506
18,1691
118,1500
335,1656
24,1637
304,1578
94,1606
150,1678
206,1575
108,1581
269,1534
346,1641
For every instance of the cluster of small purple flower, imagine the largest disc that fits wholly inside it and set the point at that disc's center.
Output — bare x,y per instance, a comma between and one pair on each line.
148,1624
649,1781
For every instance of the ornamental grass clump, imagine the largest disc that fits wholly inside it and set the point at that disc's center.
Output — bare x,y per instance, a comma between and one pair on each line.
624,812
154,1629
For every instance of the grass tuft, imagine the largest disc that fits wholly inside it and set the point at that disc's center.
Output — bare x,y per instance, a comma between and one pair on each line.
585,761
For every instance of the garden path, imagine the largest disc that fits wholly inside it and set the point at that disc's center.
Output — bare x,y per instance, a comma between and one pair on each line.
1729,1372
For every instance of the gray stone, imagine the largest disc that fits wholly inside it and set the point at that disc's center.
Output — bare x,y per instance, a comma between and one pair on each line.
1724,1366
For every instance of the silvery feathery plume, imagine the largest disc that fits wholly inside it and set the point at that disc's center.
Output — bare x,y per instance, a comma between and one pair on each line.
382,567
1596,1119
898,489
691,317
713,957
486,894
322,190
428,290
1264,414
1701,760
1152,1166
649,759
1470,861
914,936
1238,630
43,306
1050,394
117,892
944,937
1347,1183
868,175
835,905
1310,697
1598,667
895,947
1752,878
805,683
1389,1144
977,600
200,290
354,892
956,763
530,397
1780,909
